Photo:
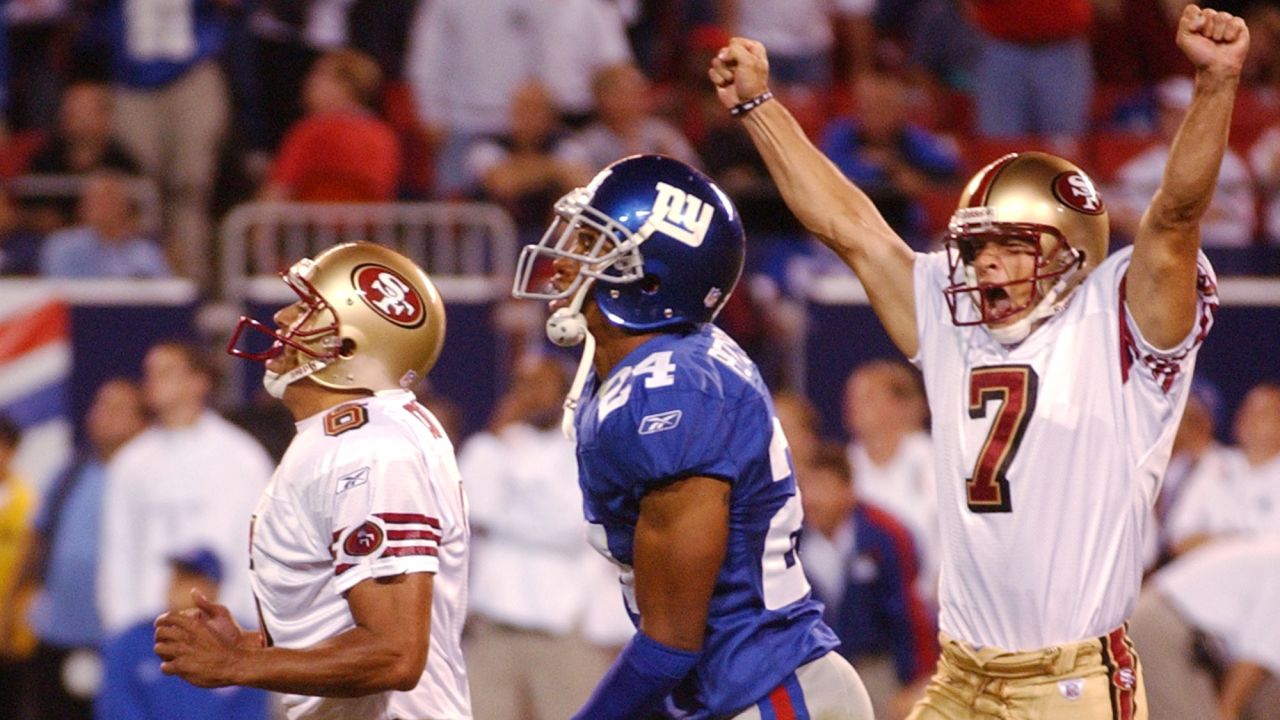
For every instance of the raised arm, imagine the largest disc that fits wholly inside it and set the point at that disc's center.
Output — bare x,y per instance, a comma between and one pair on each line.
1161,280
822,198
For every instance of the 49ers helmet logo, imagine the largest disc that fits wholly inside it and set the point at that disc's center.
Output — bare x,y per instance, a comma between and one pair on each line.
1076,191
389,294
364,540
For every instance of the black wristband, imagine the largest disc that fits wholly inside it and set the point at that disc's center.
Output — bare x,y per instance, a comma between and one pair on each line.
747,106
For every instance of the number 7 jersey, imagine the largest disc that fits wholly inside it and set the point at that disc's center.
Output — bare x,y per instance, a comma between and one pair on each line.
684,405
1049,457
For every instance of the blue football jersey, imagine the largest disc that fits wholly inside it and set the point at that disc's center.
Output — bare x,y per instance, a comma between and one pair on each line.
684,405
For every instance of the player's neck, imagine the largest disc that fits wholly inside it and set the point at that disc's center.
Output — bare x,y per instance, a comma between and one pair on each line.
305,398
612,345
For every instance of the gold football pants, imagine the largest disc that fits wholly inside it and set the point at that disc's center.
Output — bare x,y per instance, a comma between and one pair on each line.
1097,679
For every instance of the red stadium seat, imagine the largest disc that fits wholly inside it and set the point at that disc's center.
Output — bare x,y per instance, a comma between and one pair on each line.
1254,112
1109,151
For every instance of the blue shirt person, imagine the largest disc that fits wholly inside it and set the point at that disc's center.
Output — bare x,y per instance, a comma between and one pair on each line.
105,243
685,472
136,689
864,568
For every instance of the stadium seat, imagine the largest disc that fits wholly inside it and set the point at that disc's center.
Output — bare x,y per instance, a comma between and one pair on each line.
1109,151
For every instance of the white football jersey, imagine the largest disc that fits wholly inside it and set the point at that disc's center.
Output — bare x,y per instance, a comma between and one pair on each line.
1049,457
367,489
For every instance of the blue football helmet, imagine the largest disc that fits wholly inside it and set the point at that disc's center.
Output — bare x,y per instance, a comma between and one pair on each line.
662,243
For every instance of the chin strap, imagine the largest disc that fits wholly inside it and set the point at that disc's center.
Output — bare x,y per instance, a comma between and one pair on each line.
568,327
575,390
1051,304
277,383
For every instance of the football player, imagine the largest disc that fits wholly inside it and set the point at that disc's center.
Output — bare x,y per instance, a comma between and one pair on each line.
686,477
358,548
1055,375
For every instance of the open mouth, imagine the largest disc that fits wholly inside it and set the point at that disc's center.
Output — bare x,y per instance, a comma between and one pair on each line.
997,301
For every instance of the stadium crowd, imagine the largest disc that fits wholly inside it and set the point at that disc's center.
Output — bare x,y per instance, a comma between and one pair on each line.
212,103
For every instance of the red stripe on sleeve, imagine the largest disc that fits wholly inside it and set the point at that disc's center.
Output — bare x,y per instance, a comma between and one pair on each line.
413,535
408,551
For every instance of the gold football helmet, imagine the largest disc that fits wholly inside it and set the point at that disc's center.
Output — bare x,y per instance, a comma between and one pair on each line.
1042,200
370,319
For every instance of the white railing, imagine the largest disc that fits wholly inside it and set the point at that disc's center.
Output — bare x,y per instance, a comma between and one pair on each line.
142,191
469,249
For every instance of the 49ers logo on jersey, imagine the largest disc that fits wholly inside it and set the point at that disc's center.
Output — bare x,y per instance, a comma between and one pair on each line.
1077,191
364,540
389,294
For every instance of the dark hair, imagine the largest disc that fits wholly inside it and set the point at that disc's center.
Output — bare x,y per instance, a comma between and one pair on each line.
10,432
198,359
832,456
359,72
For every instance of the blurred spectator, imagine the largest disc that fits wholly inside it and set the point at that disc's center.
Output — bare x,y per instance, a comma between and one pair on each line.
540,596
1264,159
801,36
39,39
465,61
82,141
171,108
892,454
626,123
1230,220
62,564
863,566
190,479
17,507
1034,74
136,689
1262,67
940,40
287,39
1133,41
340,151
800,424
1244,498
1210,634
19,244
1197,458
892,159
529,169
106,243
569,65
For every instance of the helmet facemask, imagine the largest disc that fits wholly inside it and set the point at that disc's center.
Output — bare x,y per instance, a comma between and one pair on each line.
315,334
1055,271
602,249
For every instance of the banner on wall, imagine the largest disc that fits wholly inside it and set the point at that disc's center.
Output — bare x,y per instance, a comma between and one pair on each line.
35,376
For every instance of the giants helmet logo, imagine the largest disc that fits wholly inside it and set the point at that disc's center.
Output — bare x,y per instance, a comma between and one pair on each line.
679,215
364,540
1076,191
389,294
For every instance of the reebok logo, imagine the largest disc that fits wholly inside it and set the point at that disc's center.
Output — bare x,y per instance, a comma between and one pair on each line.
658,422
